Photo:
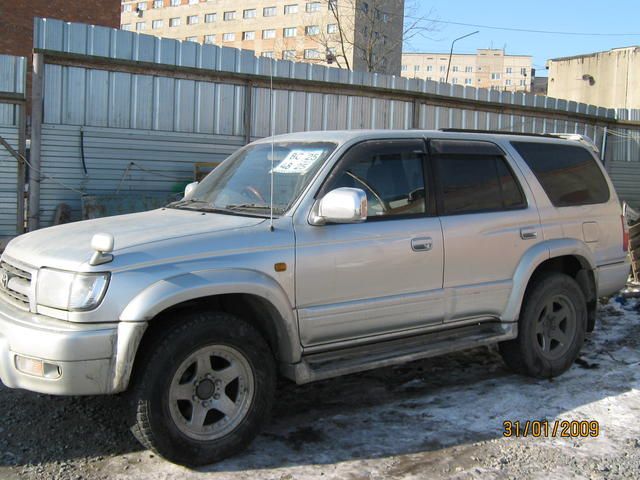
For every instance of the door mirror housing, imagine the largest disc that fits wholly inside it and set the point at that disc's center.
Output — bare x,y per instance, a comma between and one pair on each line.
342,205
189,190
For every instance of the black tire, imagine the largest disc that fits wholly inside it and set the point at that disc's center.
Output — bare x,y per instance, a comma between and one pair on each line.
532,352
158,425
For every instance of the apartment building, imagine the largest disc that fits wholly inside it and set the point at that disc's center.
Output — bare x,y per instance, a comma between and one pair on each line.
319,31
608,79
487,68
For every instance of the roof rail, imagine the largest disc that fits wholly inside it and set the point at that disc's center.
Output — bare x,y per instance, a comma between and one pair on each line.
586,141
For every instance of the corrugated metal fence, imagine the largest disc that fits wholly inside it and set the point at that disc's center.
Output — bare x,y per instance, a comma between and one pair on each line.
169,115
12,81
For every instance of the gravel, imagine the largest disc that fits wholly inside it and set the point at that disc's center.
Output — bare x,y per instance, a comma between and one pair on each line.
437,418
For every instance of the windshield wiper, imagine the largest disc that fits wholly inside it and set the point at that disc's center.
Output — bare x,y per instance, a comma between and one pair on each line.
241,206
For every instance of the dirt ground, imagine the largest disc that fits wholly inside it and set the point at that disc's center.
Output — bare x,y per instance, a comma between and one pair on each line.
437,418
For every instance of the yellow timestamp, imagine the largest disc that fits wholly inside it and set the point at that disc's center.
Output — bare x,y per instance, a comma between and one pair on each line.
553,429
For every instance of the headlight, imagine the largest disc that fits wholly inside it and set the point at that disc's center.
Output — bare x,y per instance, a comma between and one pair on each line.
70,291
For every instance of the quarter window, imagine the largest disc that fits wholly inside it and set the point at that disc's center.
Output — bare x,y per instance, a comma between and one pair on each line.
476,183
390,173
568,173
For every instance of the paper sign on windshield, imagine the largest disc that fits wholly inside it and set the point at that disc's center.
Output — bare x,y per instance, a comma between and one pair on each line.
298,161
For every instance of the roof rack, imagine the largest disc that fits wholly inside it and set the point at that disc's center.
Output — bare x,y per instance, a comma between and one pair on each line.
566,136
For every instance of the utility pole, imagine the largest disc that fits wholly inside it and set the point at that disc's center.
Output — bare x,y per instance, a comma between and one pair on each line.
446,80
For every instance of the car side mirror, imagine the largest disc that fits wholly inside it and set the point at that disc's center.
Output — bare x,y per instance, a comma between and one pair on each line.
342,205
189,190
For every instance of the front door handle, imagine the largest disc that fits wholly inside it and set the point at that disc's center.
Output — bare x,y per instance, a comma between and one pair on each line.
528,233
422,244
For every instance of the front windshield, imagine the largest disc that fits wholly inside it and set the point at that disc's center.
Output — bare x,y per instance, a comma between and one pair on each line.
242,183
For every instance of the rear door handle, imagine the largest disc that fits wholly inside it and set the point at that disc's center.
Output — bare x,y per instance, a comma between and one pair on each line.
528,234
422,244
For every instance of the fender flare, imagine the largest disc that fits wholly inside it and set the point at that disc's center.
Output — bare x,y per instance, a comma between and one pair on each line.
532,259
190,286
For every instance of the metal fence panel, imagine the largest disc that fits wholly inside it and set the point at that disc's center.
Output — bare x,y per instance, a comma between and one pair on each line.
8,183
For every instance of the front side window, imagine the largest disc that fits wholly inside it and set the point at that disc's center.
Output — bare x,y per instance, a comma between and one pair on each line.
242,183
391,173
568,173
476,183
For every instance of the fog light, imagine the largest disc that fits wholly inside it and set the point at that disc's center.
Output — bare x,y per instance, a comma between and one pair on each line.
37,368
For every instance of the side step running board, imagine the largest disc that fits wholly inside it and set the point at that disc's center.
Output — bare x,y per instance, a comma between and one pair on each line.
325,365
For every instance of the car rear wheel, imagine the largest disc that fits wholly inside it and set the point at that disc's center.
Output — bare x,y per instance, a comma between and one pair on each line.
206,390
551,328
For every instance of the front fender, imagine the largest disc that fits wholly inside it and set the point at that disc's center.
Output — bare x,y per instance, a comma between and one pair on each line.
181,288
532,259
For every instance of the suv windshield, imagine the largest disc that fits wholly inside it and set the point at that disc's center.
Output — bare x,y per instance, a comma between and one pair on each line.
242,183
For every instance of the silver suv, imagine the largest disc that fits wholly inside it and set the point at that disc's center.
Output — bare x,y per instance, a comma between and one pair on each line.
309,256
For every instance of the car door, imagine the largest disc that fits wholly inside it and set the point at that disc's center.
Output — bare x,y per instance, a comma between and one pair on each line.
380,276
489,220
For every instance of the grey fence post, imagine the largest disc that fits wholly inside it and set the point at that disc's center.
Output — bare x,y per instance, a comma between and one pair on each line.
36,138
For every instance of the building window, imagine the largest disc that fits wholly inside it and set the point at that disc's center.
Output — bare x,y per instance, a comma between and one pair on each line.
468,69
311,53
126,26
495,76
523,71
228,37
288,54
454,80
443,68
313,7
126,7
174,22
523,83
454,68
509,70
175,3
332,28
140,26
191,39
429,68
311,30
229,16
269,12
158,3
290,9
468,81
192,19
441,79
194,2
404,68
267,54
141,6
416,68
428,78
157,24
211,38
210,17
507,82
248,35
289,32
269,33
249,13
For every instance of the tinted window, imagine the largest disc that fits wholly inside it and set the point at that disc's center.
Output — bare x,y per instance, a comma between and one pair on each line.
477,184
391,174
567,173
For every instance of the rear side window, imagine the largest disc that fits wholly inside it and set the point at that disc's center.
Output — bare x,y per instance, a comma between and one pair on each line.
568,173
477,183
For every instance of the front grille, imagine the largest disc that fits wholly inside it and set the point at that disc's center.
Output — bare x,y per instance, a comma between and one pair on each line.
15,285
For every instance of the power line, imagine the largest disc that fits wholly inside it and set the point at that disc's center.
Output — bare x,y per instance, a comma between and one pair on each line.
525,30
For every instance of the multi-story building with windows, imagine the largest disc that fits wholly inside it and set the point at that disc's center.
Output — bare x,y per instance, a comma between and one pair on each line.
319,31
488,68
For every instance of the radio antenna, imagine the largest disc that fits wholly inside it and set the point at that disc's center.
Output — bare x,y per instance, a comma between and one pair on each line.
271,132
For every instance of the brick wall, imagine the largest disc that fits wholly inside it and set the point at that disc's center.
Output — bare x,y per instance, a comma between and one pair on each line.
16,21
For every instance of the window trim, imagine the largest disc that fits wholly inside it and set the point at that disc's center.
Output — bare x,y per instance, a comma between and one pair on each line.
437,175
427,178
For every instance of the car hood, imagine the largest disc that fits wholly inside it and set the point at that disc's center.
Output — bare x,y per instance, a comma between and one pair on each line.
69,246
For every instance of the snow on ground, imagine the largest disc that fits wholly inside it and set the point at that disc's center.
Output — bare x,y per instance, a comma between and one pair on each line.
436,418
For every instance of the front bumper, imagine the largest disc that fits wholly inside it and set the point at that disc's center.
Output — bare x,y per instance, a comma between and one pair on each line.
91,358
